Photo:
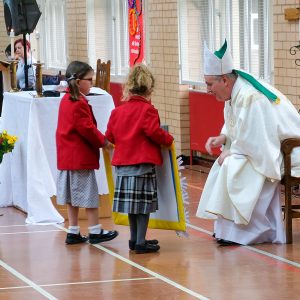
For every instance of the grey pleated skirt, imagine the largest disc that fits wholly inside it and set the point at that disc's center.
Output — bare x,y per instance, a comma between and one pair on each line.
78,188
136,194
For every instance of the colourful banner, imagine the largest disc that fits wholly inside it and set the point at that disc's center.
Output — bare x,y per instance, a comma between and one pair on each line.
136,33
171,212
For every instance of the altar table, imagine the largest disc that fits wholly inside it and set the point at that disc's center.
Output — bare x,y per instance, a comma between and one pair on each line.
28,174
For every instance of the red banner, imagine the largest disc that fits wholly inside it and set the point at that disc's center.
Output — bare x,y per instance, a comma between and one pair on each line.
136,33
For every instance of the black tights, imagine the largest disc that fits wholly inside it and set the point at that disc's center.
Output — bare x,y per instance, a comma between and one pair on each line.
138,227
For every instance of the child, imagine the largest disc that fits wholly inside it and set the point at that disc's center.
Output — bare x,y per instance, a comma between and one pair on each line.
135,130
78,141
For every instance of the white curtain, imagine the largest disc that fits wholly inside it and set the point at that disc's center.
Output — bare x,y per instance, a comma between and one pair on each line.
108,33
245,25
52,26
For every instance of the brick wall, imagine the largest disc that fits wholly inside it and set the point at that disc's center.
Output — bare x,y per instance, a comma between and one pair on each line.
285,36
170,97
4,38
76,30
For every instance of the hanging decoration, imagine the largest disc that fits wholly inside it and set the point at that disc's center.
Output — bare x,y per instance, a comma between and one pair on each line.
136,38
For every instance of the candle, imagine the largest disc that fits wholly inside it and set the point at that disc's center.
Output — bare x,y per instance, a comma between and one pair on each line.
12,44
38,54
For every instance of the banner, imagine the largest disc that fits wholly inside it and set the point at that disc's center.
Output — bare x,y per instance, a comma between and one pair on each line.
171,212
136,32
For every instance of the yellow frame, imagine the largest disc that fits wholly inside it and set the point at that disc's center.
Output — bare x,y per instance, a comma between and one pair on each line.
122,219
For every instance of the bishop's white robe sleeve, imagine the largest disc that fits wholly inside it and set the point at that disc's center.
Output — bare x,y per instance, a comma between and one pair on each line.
257,135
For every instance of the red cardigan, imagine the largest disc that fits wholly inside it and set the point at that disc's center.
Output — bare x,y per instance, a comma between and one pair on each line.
135,130
77,138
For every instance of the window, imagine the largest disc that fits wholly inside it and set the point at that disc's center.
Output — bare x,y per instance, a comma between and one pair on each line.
108,34
52,31
254,31
245,25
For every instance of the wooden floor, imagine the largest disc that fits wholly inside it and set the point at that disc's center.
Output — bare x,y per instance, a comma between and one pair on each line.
36,263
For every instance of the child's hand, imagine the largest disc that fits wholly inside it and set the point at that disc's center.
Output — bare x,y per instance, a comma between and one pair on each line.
166,147
108,146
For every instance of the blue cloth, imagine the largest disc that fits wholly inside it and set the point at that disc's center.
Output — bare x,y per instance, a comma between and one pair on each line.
21,73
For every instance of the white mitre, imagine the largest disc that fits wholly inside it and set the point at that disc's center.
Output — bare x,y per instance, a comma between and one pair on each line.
220,63
217,63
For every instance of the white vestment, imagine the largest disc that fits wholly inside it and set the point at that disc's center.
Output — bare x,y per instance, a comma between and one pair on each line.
254,128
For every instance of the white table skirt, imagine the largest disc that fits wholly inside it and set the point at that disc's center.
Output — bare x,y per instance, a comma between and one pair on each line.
28,174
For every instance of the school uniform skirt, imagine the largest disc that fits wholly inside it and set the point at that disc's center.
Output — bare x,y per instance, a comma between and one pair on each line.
136,194
78,188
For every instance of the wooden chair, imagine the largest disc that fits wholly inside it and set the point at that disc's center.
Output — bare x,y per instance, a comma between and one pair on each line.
52,79
291,210
103,75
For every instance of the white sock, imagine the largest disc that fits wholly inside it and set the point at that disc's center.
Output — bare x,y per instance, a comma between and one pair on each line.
74,229
96,229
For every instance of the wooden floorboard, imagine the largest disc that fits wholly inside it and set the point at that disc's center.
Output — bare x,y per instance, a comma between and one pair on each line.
36,263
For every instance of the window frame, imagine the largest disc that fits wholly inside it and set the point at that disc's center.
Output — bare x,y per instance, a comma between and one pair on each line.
214,37
117,11
52,56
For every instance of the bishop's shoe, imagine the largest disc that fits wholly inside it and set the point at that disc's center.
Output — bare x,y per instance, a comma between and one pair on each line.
223,242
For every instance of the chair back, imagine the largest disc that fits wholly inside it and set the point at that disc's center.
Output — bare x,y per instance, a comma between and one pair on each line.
290,208
50,79
103,75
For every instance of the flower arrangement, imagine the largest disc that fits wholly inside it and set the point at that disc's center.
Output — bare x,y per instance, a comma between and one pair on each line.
7,143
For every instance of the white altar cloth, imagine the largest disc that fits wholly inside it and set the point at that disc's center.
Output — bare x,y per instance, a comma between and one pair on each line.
28,174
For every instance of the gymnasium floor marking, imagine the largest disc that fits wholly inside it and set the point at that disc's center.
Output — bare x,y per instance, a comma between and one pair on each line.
273,256
79,283
148,271
195,187
27,280
28,232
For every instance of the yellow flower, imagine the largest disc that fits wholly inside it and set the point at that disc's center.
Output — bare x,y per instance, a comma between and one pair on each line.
7,143
10,140
4,134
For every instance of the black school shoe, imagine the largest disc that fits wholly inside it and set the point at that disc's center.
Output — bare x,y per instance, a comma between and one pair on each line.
73,238
133,243
102,237
146,248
